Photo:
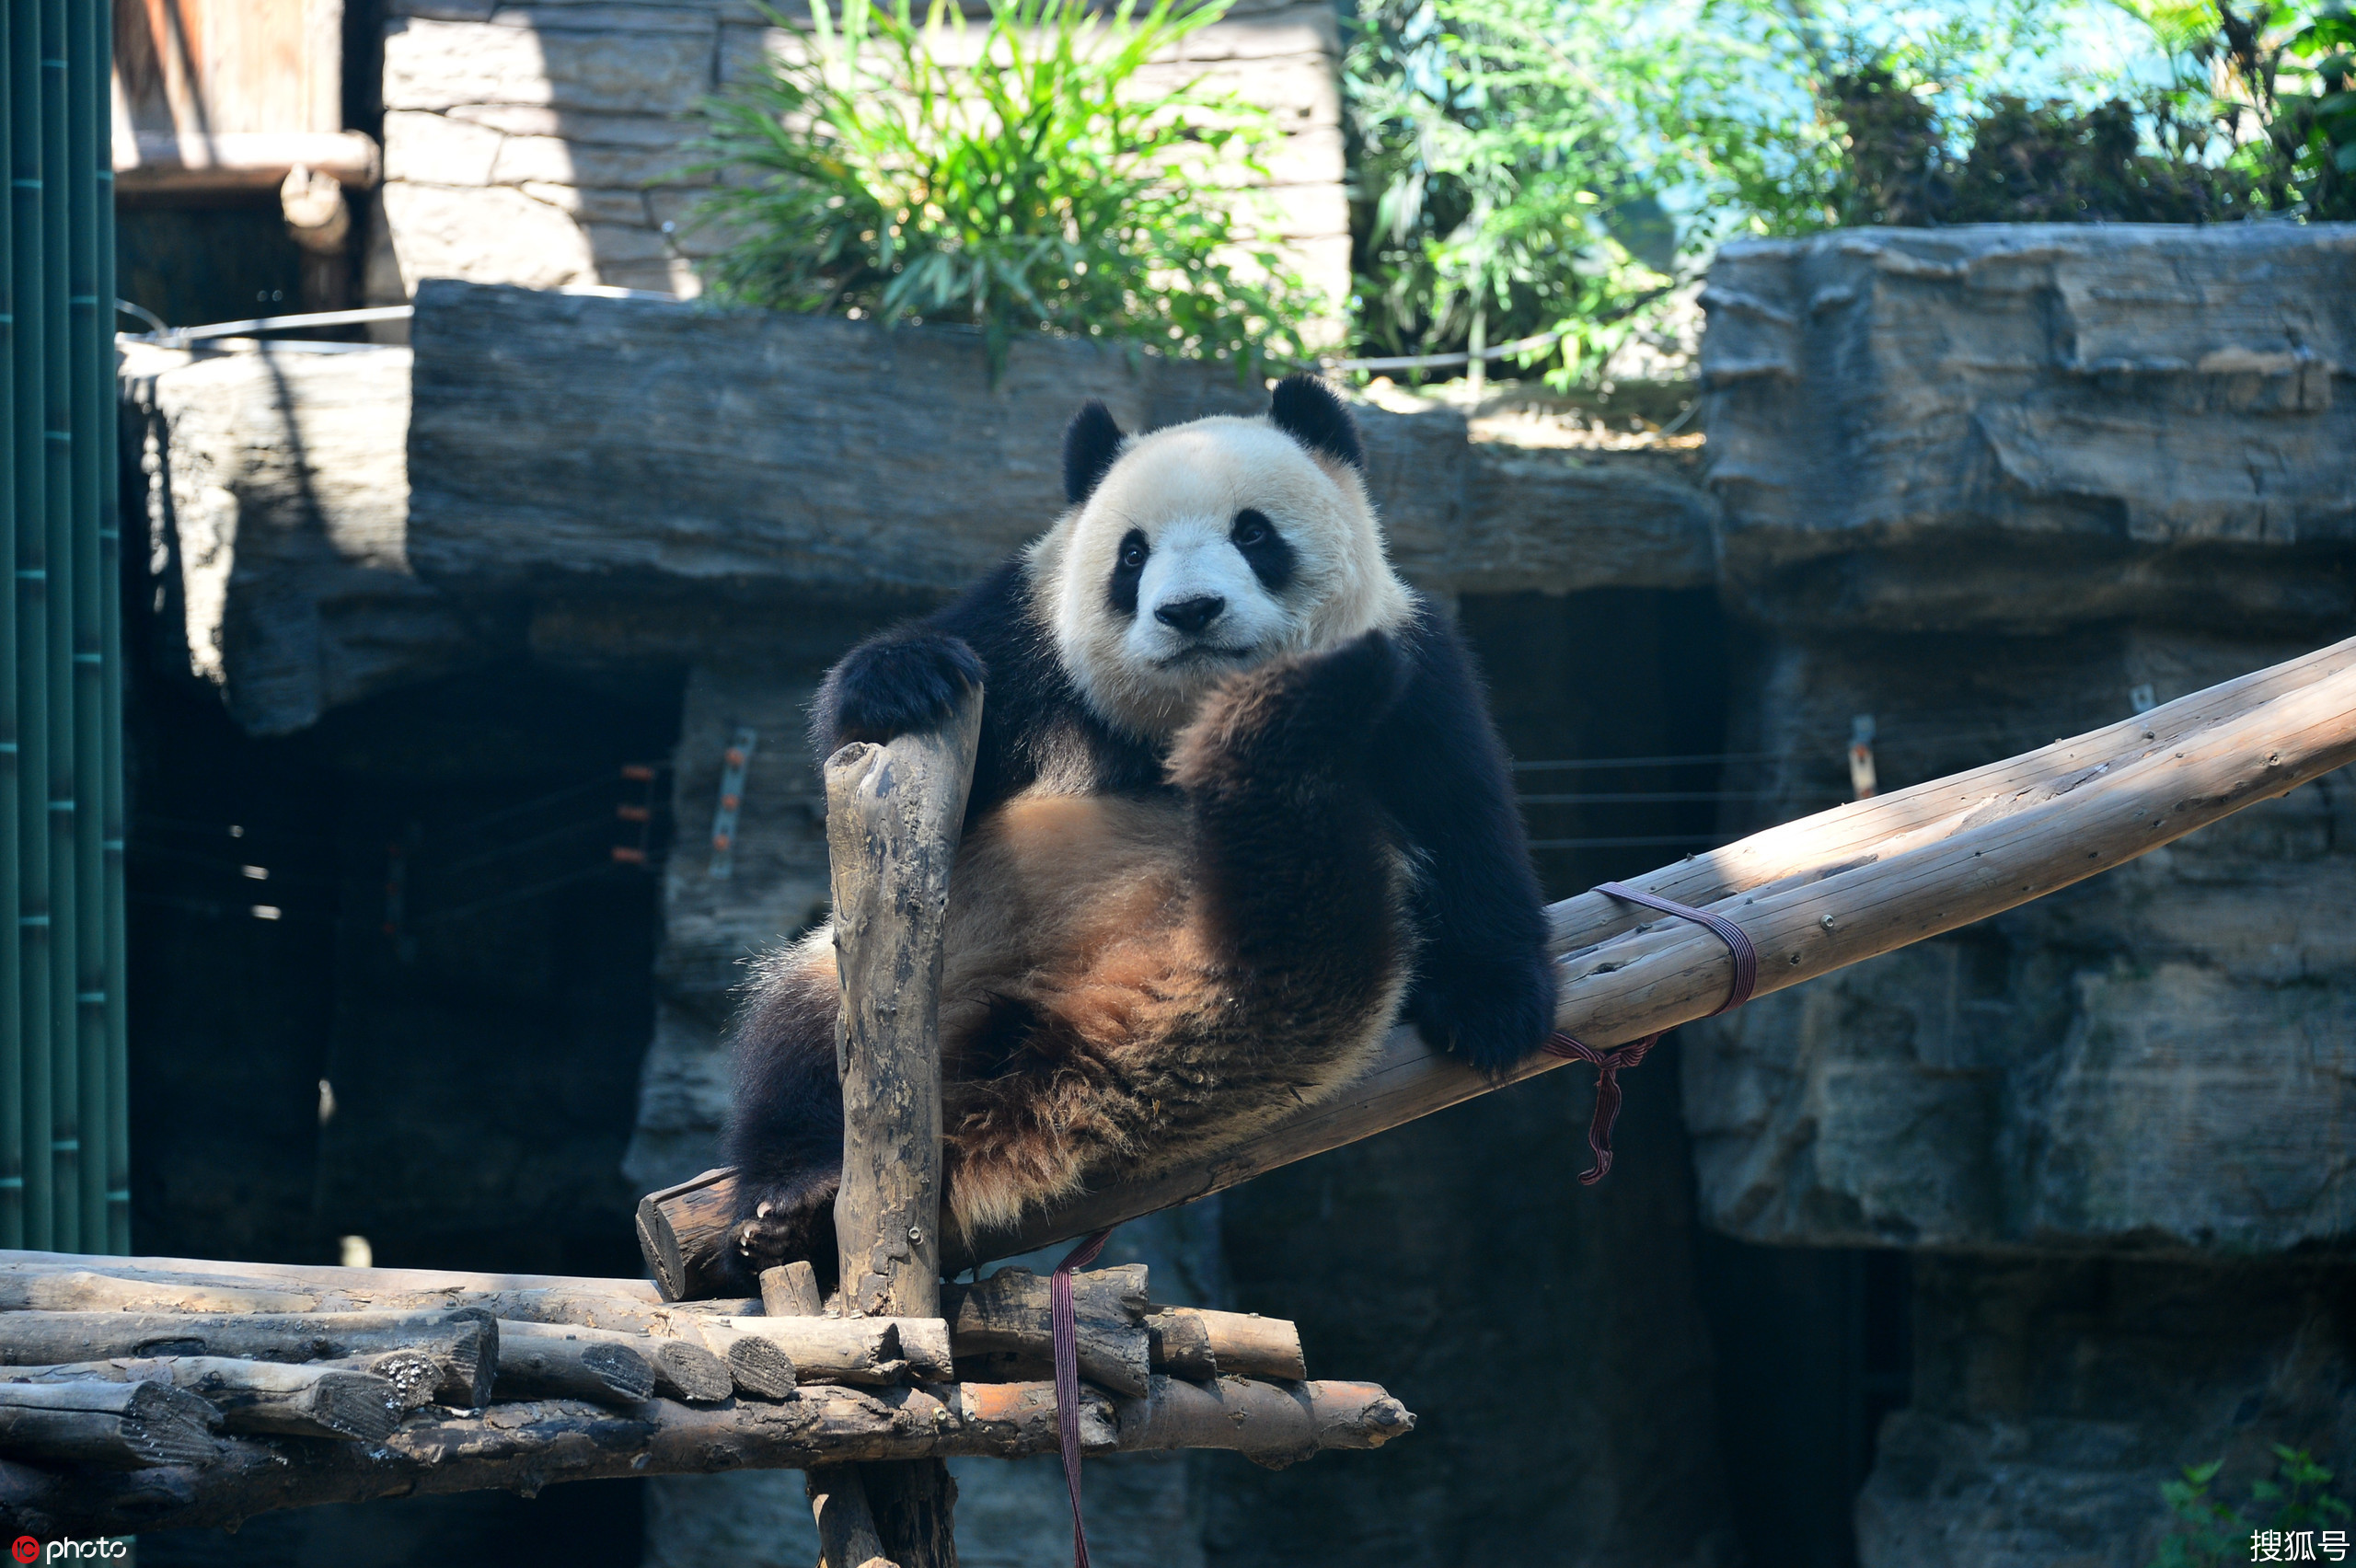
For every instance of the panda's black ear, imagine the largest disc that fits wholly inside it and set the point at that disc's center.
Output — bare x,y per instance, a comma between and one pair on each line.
1306,408
1091,442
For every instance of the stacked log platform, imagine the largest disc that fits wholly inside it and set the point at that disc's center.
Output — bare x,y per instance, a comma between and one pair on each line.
155,1393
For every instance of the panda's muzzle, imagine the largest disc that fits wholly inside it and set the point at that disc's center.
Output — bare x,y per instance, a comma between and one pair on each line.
1191,616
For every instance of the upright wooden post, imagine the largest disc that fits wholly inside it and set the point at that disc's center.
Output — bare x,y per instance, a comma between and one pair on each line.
893,817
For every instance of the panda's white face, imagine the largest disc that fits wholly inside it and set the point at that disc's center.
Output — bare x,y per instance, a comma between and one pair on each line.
1207,547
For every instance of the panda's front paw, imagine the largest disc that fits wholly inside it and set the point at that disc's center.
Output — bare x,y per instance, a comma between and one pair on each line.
1306,713
895,684
1491,1013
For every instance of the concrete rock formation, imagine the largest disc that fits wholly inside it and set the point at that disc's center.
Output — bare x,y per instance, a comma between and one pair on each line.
1990,486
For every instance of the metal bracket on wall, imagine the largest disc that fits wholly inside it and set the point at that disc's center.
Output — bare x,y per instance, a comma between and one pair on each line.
734,762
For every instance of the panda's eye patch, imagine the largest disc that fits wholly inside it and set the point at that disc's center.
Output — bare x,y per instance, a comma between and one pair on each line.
1128,565
1270,556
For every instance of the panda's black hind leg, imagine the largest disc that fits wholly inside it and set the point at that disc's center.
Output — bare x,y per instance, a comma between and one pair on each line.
785,1132
902,681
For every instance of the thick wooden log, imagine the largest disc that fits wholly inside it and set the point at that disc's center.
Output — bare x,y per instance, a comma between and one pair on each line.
698,1207
682,1369
1247,1343
109,1424
256,1396
1824,893
847,1533
681,1230
463,1342
1179,1344
540,1361
872,1351
759,1367
1269,1424
894,815
71,1282
1000,1330
529,1446
410,1375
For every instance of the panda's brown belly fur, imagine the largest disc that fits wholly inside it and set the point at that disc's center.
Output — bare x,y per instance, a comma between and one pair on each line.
1094,1018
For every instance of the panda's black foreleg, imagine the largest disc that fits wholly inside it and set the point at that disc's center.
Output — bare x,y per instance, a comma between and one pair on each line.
895,683
1484,987
785,1133
1291,841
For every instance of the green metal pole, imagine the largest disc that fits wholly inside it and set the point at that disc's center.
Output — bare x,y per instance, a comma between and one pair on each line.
93,317
25,73
12,1037
112,834
57,391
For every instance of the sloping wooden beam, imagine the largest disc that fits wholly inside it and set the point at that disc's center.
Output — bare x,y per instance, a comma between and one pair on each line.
1824,893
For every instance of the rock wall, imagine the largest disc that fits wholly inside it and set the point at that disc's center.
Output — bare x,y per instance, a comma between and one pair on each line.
548,144
1990,487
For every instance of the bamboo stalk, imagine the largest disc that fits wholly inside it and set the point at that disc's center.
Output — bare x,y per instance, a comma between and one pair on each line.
526,1446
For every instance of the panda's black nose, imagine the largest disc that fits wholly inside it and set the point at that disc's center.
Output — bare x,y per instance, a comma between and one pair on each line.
1190,615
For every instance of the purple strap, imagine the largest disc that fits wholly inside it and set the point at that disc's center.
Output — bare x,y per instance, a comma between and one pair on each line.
1064,1329
1606,1064
1746,957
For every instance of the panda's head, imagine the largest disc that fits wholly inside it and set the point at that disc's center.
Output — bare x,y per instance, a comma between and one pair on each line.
1206,547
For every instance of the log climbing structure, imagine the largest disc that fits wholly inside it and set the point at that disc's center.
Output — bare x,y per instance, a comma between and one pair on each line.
150,1393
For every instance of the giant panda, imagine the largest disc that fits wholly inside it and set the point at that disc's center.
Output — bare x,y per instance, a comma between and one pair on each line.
1239,806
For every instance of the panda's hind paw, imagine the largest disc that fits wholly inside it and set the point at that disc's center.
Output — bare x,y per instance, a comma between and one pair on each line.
781,1229
895,685
1492,1014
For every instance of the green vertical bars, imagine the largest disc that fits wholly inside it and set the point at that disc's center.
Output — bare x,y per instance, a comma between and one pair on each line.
93,401
30,372
63,1177
12,1002
57,431
112,823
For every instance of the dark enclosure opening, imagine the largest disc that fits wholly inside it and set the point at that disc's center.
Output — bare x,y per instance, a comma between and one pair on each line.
392,981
